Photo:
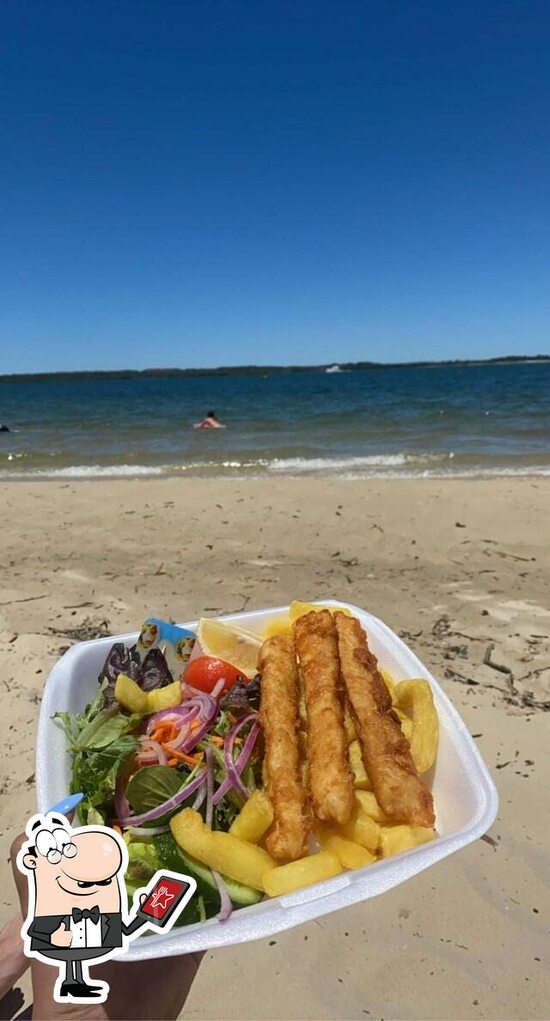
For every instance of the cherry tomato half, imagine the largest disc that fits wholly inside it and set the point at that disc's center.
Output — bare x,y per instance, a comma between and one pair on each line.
205,671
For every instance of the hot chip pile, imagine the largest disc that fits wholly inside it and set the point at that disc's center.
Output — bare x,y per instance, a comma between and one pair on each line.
345,752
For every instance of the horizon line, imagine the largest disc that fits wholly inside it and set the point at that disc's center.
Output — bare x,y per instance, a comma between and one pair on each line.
253,369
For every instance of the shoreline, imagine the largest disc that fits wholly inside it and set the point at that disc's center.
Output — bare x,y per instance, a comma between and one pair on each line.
150,473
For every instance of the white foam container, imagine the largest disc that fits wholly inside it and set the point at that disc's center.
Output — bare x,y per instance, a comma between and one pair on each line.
465,797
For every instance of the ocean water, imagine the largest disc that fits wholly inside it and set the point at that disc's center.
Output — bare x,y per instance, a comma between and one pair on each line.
415,421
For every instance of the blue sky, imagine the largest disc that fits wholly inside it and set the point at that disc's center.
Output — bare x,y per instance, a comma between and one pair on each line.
273,182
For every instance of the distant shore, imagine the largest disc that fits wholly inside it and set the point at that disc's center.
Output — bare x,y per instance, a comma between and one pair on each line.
261,370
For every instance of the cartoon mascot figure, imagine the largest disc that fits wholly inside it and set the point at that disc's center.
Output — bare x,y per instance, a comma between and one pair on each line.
76,894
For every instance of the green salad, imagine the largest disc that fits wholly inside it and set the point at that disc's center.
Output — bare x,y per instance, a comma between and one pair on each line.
151,743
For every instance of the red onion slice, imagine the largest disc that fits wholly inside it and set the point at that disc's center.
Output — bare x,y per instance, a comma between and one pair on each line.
201,794
218,688
151,753
234,769
226,906
178,715
195,693
209,786
197,735
200,707
122,806
147,831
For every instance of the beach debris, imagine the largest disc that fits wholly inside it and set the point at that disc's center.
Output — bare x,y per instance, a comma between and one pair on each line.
502,669
503,553
84,632
453,675
532,673
27,599
442,625
489,840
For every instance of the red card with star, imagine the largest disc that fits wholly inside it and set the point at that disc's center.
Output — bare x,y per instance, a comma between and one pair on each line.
163,899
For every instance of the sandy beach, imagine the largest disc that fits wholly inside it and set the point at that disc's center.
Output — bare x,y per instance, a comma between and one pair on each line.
461,569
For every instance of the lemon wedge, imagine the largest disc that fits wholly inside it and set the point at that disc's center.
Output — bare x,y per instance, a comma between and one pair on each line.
231,643
298,609
283,625
278,627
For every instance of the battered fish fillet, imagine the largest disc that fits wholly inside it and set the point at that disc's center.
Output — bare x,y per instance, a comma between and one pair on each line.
330,778
287,839
401,793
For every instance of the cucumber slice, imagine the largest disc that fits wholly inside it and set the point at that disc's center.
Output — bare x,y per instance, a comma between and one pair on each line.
178,861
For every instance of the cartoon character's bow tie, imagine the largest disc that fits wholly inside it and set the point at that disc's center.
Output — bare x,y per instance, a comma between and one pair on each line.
93,913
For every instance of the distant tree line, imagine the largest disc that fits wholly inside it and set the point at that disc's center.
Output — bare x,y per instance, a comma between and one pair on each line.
254,370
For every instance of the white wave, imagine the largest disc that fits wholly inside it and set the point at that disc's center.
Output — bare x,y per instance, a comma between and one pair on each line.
199,465
328,464
474,472
86,471
388,466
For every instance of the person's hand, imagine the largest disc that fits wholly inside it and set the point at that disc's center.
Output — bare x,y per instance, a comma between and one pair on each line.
62,936
13,962
154,990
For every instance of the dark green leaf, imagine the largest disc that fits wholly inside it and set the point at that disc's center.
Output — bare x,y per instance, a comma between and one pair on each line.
113,754
74,723
95,706
224,814
107,726
70,725
95,774
151,786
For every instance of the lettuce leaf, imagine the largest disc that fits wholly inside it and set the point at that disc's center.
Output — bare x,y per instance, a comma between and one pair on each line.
74,723
95,774
151,786
98,732
106,728
142,864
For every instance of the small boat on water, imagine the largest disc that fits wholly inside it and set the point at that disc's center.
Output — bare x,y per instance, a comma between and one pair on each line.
333,368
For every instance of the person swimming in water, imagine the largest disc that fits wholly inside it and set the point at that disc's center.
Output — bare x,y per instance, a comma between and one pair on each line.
209,422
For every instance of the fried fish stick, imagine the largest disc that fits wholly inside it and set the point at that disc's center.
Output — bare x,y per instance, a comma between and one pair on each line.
400,792
330,777
287,839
